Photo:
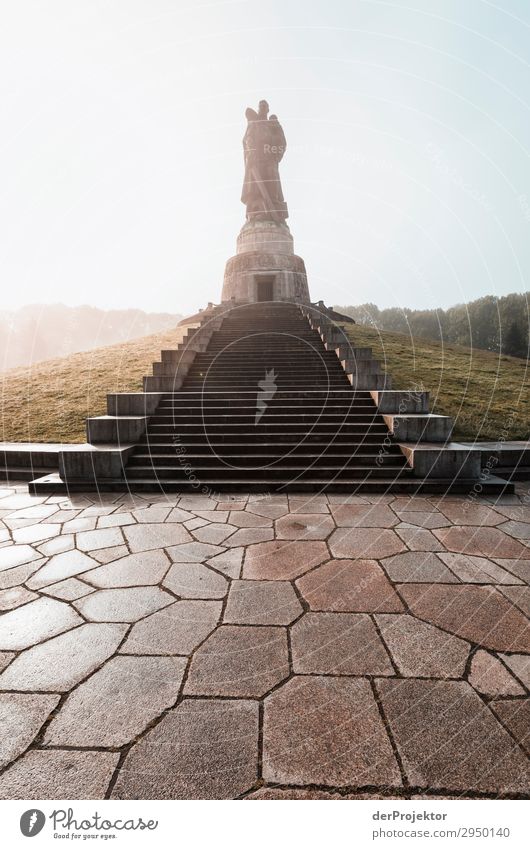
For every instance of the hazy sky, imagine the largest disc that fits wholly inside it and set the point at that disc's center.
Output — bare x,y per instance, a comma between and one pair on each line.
407,170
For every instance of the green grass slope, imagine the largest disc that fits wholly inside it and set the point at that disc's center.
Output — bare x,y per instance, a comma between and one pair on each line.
487,394
49,401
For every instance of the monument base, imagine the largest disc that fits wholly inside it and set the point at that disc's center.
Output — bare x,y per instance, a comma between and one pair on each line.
265,267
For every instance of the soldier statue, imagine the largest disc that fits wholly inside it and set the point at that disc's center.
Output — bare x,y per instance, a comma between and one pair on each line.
263,145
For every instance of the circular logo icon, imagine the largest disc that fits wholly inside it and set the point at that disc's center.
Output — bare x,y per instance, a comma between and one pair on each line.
31,822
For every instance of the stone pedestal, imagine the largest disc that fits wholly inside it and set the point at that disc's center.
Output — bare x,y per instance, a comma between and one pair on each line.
265,267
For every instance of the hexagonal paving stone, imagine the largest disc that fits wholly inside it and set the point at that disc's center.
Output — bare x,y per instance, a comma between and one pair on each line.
60,663
239,661
511,507
293,793
486,542
117,702
404,503
144,569
69,590
107,555
448,738
418,567
477,570
21,718
363,516
519,530
97,510
204,749
419,649
42,774
515,715
122,605
243,519
249,536
271,509
175,515
36,532
178,629
282,561
262,603
156,513
13,577
365,542
304,526
197,502
15,597
116,520
479,614
77,525
16,501
104,538
308,504
229,562
153,536
236,502
520,666
5,659
34,622
216,532
57,545
423,520
519,568
193,552
61,566
37,513
211,516
17,555
196,522
326,731
354,586
519,596
338,644
490,677
463,512
419,539
193,580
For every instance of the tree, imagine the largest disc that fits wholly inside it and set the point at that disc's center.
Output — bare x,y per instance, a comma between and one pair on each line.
514,342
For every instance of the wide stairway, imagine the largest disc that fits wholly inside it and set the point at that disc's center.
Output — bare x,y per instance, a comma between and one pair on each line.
267,408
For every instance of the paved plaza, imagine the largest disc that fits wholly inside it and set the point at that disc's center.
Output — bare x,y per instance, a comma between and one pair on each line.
264,647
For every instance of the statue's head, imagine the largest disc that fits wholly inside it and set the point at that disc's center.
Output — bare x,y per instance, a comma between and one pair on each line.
263,109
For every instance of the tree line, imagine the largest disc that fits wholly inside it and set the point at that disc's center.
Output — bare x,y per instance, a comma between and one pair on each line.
494,324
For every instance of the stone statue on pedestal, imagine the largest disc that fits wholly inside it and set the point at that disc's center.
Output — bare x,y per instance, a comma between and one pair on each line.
265,266
263,145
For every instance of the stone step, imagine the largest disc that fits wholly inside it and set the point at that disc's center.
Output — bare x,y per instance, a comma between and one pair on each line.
283,406
163,416
253,461
269,427
259,450
248,440
285,472
405,483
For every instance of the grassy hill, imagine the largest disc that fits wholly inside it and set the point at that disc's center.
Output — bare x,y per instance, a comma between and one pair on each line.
487,394
49,401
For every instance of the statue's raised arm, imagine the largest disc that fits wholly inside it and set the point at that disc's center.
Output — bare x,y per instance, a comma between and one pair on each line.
263,146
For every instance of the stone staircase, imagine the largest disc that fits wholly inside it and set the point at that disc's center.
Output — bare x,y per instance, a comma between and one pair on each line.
269,397
267,407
